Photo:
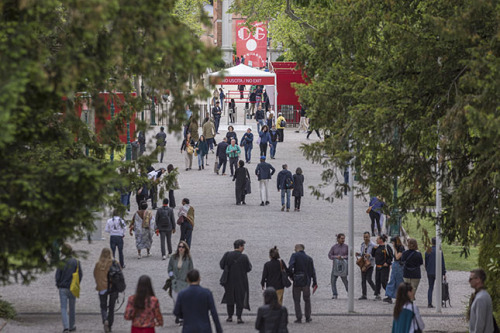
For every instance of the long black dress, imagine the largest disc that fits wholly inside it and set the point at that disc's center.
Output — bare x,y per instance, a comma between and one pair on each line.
236,290
240,176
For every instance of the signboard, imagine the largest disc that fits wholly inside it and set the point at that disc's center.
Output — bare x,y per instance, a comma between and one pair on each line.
253,47
244,80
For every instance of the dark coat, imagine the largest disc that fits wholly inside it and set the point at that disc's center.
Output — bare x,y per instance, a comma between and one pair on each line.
298,185
184,144
216,112
271,275
412,261
165,220
300,262
236,290
264,170
221,150
240,176
193,304
247,140
282,177
65,275
271,321
231,135
202,147
430,262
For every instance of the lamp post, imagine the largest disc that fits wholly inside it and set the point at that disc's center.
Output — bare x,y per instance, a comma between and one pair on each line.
112,109
142,96
153,122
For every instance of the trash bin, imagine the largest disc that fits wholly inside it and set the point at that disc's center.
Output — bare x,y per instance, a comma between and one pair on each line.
135,150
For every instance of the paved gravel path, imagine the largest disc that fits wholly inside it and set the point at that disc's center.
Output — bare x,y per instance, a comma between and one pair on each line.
218,223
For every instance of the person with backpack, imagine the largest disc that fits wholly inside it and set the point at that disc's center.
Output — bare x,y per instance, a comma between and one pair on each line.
298,188
115,226
412,260
165,227
285,185
108,294
383,258
280,125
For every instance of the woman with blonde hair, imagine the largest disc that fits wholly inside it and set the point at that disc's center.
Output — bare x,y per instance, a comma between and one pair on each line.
412,260
178,267
107,297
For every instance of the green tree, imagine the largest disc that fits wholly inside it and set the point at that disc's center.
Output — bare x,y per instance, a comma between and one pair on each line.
49,51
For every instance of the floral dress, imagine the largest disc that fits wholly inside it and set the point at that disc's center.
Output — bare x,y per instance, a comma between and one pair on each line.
143,234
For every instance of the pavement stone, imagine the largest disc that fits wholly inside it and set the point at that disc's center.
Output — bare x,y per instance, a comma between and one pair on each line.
218,223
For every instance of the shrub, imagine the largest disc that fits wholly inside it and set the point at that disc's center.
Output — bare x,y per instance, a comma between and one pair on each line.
7,311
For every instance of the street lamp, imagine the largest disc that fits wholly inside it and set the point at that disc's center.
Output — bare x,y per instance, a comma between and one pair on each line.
153,122
142,95
112,109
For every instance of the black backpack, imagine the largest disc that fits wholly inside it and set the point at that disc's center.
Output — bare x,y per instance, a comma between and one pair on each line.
116,278
283,123
288,183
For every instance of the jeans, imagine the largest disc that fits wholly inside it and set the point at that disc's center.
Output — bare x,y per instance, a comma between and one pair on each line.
375,217
260,123
153,193
367,276
288,193
274,145
162,152
108,309
186,232
334,283
168,236
125,199
210,143
222,163
233,164
117,242
200,160
248,153
432,279
264,191
217,121
306,294
67,298
381,278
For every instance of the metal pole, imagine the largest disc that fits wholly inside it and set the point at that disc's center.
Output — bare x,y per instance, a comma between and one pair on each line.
86,111
153,122
351,238
439,268
128,151
112,156
142,96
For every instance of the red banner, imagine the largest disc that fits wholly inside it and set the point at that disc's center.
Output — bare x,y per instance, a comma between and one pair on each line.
253,47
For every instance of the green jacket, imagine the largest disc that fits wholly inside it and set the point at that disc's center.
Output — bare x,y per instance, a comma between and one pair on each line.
233,151
179,275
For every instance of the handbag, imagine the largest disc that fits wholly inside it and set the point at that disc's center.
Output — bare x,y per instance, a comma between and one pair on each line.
284,276
75,283
369,210
224,276
180,220
190,150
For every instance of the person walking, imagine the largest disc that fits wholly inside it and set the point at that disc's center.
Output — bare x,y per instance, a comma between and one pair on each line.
310,130
430,268
272,316
375,210
236,289
107,296
142,225
186,221
301,269
265,140
272,274
216,113
241,176
280,125
480,311
161,142
64,277
274,134
175,186
338,253
154,177
264,172
303,120
193,128
383,258
178,267
406,317
165,227
285,185
247,143
201,149
298,188
241,89
193,305
222,96
187,148
232,111
367,269
115,226
141,139
231,135
222,156
260,115
396,271
233,151
208,131
412,259
143,308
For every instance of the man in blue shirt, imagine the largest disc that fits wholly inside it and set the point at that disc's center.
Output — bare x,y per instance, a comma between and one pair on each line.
301,268
264,171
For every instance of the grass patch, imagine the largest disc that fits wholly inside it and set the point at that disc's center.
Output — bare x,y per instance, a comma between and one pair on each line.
7,311
454,260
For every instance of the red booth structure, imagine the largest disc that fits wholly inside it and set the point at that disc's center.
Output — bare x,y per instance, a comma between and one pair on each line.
288,101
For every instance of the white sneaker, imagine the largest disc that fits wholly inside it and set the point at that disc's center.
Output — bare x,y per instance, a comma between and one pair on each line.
139,256
164,258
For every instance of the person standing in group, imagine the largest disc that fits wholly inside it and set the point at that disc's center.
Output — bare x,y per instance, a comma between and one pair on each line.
367,269
241,176
202,150
338,253
188,148
165,227
178,267
272,316
258,95
216,113
272,274
396,271
222,156
298,188
259,117
143,226
154,177
115,226
107,296
430,267
383,258
208,130
264,172
143,308
222,96
412,259
285,185
406,317
480,311
280,125
375,210
241,89
236,289
64,277
274,134
171,196
231,135
247,143
186,219
270,119
233,151
193,305
265,139
161,142
301,269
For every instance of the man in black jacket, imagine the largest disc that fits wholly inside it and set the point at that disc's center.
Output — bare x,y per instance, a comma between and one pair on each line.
301,268
221,154
216,113
165,226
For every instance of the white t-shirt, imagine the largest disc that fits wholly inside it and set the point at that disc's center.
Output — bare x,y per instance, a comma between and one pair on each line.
115,226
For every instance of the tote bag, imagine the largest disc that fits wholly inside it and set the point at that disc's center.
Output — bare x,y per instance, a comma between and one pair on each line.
75,283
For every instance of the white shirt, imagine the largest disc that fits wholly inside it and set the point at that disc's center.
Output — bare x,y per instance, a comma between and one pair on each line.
115,226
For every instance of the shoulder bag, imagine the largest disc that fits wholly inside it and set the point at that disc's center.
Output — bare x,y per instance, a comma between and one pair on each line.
75,282
284,276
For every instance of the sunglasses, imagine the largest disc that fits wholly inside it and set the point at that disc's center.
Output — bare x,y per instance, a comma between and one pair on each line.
181,247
